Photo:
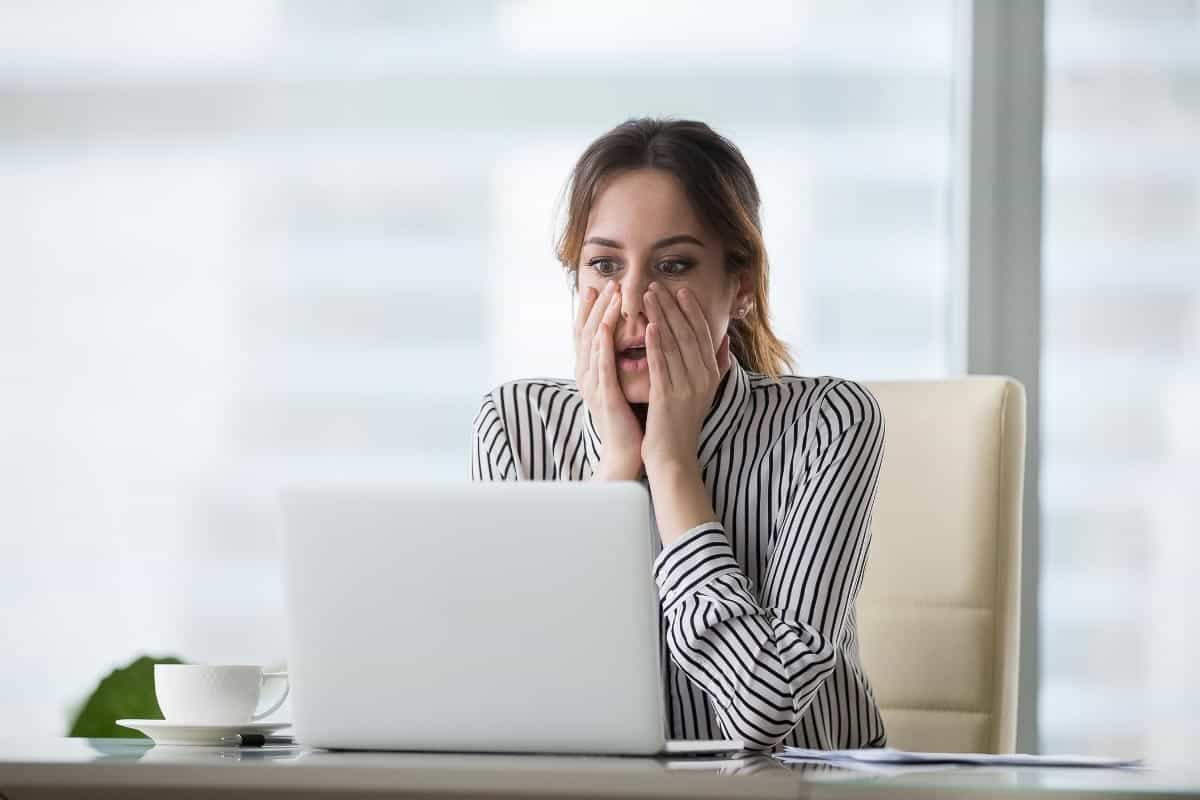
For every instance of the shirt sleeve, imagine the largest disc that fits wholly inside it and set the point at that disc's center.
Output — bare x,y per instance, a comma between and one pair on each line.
491,452
762,658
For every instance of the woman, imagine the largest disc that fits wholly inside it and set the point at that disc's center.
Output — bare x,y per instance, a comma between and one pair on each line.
762,484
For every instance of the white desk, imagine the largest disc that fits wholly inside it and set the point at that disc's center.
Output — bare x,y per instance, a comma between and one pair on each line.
125,768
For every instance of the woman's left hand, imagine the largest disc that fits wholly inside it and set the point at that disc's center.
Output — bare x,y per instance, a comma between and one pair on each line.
685,370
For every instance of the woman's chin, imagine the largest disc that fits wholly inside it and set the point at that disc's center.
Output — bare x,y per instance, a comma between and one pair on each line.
636,388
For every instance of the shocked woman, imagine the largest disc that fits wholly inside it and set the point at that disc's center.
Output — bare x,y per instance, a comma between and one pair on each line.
762,484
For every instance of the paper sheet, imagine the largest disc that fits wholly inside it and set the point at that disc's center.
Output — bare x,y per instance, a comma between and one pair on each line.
887,755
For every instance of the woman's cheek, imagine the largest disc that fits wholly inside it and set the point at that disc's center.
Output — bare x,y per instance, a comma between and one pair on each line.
710,318
581,289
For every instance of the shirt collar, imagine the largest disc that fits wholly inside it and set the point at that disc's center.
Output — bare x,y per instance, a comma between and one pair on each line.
728,403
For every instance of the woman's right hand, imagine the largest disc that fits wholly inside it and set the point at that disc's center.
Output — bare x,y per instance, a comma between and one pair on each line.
596,377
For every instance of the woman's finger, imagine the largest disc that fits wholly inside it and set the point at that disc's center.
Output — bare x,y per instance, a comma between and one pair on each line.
586,301
606,372
609,319
695,317
604,304
676,368
608,311
596,313
680,329
594,354
604,335
583,342
723,355
613,312
660,377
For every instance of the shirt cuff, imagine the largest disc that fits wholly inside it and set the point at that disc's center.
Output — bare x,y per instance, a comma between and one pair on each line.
697,557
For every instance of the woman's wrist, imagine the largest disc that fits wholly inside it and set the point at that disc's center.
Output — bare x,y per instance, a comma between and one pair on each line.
671,473
681,499
618,467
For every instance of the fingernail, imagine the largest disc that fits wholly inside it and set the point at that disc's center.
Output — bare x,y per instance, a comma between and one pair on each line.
653,287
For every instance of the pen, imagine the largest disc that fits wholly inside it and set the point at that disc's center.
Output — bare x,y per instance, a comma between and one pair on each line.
255,740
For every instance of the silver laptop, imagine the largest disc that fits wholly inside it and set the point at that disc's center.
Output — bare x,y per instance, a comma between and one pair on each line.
483,617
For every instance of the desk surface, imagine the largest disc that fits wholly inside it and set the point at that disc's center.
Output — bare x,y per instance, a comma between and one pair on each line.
131,768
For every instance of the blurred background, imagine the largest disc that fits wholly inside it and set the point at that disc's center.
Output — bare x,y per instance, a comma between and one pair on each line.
247,242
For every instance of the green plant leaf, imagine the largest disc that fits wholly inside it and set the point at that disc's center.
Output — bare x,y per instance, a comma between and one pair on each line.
127,693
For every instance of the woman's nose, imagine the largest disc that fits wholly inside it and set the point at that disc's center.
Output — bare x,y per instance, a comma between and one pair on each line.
632,290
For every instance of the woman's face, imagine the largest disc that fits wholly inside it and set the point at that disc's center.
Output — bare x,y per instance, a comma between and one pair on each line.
641,230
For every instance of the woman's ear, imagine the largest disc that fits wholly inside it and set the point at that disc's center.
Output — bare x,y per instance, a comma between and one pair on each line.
743,295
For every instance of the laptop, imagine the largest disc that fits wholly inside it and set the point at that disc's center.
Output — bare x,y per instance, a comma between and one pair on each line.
476,617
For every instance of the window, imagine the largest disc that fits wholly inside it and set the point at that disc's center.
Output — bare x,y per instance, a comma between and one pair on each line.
251,242
1121,377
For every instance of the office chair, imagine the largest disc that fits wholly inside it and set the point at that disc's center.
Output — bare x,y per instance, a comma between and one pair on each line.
939,609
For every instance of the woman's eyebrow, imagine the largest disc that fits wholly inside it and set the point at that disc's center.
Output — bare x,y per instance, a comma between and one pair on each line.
682,238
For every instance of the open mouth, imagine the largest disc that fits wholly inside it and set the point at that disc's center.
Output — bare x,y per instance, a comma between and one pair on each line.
632,359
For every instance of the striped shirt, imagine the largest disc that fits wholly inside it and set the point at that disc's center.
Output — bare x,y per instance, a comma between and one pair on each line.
758,609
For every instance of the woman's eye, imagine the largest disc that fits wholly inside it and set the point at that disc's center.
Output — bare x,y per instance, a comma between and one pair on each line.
674,267
606,266
603,266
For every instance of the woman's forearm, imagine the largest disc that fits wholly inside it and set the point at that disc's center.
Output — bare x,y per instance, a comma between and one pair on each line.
613,468
681,500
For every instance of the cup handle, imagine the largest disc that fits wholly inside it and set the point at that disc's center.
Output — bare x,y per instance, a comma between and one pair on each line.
286,688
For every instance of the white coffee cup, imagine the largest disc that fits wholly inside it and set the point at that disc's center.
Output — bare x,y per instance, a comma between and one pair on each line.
195,694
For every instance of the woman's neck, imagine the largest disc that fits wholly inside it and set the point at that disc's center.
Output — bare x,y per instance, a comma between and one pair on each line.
640,410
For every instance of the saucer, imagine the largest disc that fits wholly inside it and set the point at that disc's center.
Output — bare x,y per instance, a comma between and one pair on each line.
164,732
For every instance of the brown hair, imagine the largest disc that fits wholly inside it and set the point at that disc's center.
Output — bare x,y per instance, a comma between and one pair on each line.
721,190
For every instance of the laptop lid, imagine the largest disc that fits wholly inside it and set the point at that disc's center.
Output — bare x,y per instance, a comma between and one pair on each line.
507,617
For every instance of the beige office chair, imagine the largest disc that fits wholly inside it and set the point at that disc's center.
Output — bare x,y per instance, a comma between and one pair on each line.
939,609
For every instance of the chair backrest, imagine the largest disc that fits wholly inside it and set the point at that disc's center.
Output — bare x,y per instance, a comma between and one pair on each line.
939,609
